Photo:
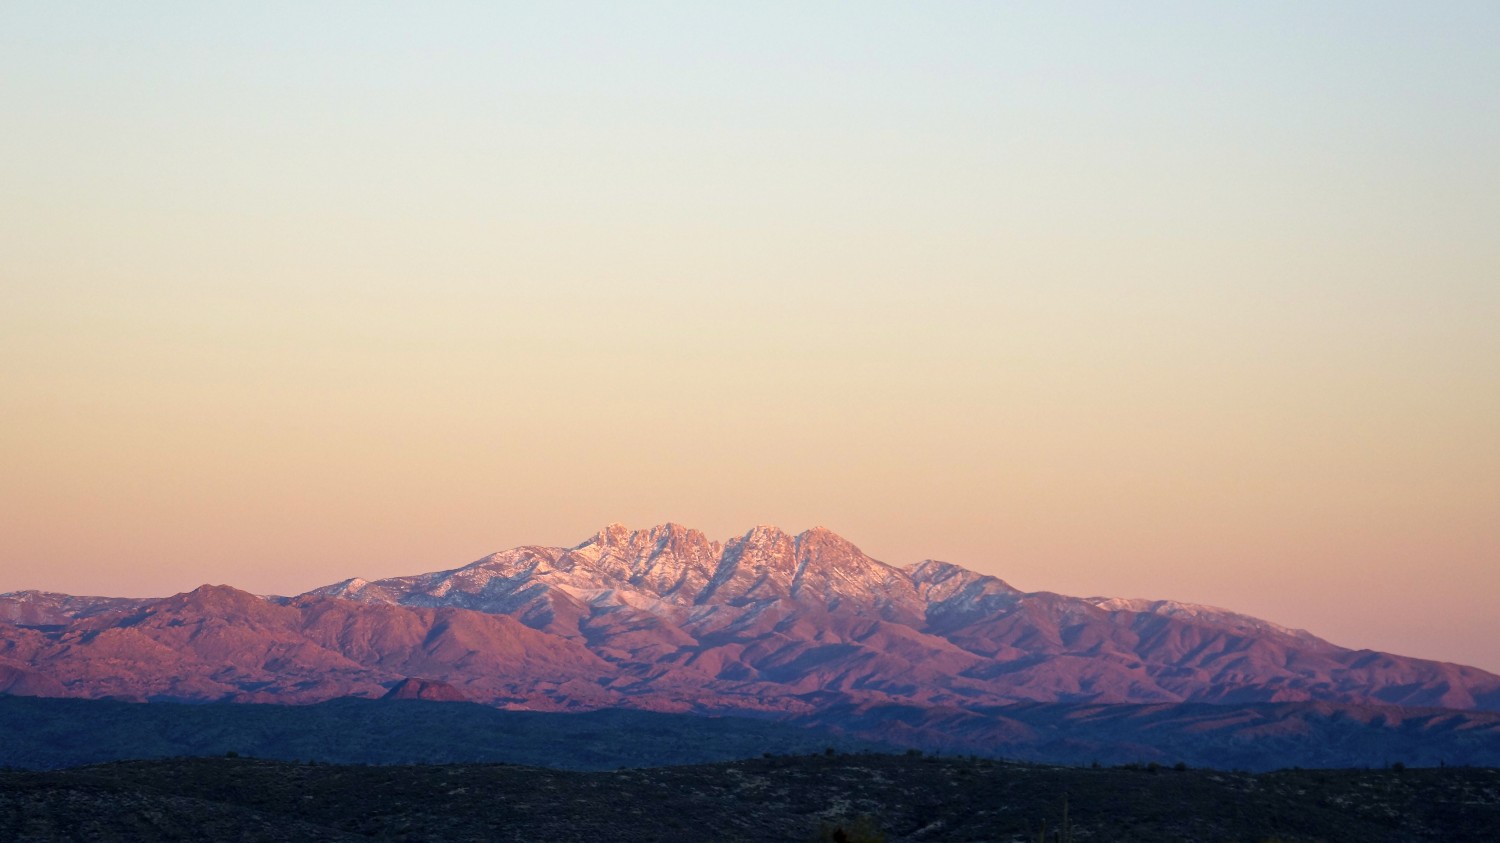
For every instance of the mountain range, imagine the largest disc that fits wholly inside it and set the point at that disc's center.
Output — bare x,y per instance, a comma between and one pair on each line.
802,627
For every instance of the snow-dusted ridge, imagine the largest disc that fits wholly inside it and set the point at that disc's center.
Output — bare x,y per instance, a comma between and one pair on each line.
667,618
1195,611
670,567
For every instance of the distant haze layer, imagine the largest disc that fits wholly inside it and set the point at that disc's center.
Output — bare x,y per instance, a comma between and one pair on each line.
1179,302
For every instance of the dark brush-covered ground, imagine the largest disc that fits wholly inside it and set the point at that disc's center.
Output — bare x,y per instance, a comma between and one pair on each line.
902,797
43,733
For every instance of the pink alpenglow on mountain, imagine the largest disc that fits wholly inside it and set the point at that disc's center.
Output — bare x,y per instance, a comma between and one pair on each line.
424,689
669,620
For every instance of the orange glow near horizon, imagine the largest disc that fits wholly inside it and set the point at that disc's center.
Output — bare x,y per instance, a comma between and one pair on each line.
1124,307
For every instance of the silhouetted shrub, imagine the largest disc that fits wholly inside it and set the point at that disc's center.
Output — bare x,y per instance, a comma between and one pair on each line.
861,830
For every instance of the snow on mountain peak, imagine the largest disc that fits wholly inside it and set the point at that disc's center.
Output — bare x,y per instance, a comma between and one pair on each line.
828,544
935,576
666,617
673,571
762,535
613,533
1195,612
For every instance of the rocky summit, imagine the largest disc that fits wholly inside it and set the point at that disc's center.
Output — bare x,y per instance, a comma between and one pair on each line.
768,623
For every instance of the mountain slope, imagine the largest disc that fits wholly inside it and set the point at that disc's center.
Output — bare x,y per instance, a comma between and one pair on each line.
669,620
218,643
768,613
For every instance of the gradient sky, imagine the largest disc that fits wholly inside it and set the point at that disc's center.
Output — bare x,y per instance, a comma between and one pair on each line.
1195,300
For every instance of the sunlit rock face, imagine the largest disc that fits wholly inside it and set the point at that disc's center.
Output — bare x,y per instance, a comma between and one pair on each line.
666,618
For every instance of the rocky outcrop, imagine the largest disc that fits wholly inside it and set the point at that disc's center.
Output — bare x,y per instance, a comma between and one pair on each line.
667,619
424,689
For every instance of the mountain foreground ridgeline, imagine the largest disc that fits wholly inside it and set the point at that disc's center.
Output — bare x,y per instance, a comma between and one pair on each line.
799,627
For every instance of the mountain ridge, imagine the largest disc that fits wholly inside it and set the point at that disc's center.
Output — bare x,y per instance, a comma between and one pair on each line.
766,623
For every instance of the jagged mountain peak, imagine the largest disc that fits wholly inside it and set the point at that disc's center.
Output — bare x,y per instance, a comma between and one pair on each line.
935,574
610,534
663,616
828,543
932,570
814,566
768,538
763,535
618,564
616,534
